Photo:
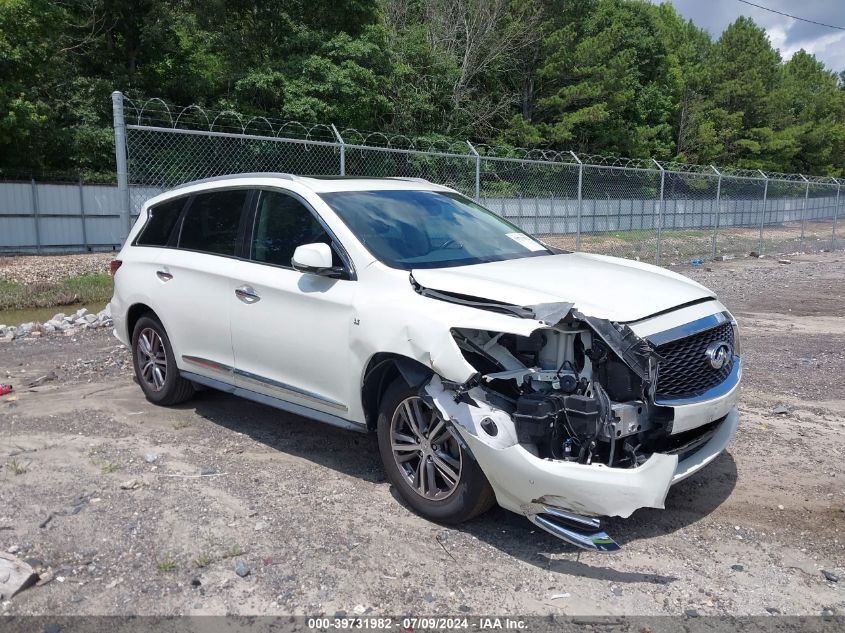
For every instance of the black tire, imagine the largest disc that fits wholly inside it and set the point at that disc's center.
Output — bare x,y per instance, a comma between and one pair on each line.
471,496
172,389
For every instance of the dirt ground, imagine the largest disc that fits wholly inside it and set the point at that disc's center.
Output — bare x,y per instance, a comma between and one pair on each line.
126,508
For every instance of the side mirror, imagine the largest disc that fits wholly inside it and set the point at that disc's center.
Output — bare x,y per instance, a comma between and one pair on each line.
315,259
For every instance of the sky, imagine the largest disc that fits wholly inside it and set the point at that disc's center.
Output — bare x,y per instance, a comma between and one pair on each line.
786,34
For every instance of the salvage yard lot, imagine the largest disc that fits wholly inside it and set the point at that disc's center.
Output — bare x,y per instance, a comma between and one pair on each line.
125,508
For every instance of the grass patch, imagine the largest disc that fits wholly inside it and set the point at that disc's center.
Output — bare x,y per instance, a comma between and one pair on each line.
109,468
15,467
181,424
233,551
90,288
203,560
166,564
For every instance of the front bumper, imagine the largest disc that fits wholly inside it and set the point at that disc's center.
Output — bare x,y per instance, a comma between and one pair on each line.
523,481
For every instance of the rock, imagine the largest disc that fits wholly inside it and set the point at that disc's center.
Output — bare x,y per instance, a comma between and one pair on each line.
780,506
737,567
616,590
195,581
130,484
150,457
780,410
784,261
81,313
428,597
691,613
15,575
13,549
754,254
359,609
260,525
241,569
41,380
829,575
58,317
49,329
773,610
35,334
91,318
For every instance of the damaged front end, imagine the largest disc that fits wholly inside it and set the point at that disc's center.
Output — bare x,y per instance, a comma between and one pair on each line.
567,422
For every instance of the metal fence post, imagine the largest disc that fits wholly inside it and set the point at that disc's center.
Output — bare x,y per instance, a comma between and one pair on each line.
763,214
477,172
82,214
718,208
121,158
660,207
835,212
580,201
342,150
35,217
804,207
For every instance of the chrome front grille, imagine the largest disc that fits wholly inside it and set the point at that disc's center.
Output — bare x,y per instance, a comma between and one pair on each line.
685,371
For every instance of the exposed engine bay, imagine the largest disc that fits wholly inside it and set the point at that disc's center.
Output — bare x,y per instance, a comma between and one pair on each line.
570,395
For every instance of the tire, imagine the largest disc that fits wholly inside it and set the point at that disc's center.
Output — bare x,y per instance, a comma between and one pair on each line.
451,499
155,365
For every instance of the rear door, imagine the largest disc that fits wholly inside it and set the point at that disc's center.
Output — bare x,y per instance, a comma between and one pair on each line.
195,281
290,330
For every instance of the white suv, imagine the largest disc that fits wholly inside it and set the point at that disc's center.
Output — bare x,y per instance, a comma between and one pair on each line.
564,386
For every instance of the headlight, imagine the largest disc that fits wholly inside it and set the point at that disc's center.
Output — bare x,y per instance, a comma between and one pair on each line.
736,337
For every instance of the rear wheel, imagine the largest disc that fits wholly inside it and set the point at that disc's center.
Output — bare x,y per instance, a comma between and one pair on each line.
155,366
425,462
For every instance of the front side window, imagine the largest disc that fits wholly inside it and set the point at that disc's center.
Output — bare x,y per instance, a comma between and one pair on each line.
429,229
281,224
211,222
160,222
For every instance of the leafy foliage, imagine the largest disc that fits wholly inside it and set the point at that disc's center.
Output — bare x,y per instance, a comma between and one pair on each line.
624,77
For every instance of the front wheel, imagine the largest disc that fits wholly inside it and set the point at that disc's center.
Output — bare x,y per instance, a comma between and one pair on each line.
425,462
155,366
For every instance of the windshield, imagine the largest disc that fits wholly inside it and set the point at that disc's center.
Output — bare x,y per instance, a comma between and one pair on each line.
429,229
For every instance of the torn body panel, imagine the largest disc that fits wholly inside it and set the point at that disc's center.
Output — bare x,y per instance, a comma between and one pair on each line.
521,480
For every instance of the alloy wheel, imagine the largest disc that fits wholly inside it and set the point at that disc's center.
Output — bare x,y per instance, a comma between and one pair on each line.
152,359
427,454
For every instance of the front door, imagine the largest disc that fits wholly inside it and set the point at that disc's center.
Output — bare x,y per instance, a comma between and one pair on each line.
290,330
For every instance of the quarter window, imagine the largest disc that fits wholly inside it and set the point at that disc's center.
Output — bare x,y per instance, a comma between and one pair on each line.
160,222
211,222
281,224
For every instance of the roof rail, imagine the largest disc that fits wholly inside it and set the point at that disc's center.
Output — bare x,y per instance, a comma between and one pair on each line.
254,174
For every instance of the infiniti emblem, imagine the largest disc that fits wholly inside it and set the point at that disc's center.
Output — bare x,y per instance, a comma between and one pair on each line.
718,354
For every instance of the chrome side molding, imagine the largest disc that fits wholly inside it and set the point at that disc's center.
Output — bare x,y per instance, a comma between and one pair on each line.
228,373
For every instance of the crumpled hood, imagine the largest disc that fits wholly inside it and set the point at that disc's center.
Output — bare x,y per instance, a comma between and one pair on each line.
599,286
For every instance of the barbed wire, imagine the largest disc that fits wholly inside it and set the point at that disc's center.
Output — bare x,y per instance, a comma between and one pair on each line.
156,112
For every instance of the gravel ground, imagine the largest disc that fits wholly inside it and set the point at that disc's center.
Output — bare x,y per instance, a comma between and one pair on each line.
126,508
31,269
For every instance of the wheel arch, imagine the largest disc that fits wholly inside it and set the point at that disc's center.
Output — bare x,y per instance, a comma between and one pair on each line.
135,312
382,369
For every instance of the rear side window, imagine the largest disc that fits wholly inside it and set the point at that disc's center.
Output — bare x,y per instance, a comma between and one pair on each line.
281,224
211,222
159,226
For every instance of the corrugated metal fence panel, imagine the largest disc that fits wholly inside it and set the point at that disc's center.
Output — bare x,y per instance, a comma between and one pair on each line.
15,198
62,209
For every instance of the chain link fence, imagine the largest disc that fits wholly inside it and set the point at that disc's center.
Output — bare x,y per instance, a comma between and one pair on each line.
658,212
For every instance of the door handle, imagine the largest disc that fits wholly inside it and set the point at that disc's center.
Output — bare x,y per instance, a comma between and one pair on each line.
247,294
163,275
